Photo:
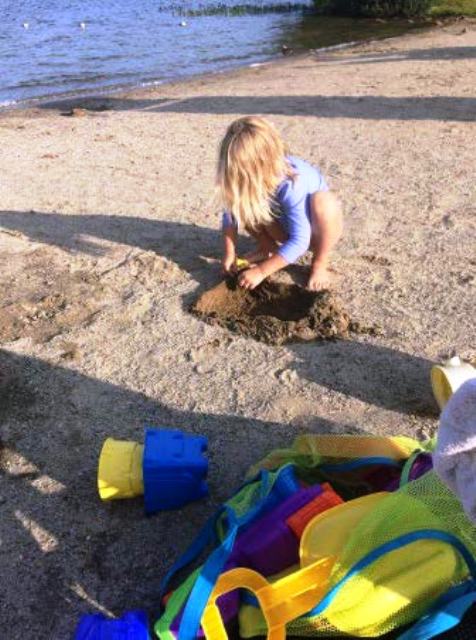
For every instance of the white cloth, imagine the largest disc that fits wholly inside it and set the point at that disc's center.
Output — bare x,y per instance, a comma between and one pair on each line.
454,458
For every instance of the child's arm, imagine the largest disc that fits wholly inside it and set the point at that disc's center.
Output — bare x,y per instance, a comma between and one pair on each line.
292,199
230,236
251,278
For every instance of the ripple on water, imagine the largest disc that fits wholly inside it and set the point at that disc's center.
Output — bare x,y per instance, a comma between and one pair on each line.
134,42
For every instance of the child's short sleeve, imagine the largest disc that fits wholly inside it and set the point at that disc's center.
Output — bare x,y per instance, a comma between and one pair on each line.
228,220
293,196
293,201
319,183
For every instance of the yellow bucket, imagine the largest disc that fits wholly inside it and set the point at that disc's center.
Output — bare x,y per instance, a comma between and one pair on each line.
120,470
448,377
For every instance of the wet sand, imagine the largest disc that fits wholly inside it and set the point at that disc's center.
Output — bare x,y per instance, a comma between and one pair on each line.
276,312
106,238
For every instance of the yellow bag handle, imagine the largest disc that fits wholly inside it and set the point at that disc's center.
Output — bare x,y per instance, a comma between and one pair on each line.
311,450
281,602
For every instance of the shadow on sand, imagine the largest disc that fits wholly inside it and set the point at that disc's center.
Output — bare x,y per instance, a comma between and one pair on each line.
66,552
462,109
433,54
375,374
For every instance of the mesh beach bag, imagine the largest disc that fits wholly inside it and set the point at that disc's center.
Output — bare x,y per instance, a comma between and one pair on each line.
337,536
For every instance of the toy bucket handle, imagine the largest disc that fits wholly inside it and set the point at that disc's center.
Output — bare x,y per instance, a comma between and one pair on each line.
280,602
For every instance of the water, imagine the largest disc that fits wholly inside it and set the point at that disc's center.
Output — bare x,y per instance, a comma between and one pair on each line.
54,47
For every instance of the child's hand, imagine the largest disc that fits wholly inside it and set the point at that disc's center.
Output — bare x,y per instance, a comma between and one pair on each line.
251,278
228,264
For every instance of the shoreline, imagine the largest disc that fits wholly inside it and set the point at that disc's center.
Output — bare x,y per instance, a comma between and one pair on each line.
74,97
77,100
73,100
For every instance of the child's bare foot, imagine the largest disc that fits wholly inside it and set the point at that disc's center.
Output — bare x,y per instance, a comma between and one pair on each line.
319,278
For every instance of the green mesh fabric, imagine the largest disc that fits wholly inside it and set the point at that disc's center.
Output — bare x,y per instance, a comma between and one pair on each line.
464,631
423,504
309,451
251,493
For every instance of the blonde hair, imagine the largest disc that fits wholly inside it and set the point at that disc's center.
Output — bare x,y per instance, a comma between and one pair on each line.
251,164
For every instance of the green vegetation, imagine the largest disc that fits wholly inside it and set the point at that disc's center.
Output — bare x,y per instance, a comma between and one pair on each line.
453,8
374,8
389,8
368,8
222,8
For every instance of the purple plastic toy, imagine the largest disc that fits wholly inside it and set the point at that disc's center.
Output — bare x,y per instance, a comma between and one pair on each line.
421,465
268,546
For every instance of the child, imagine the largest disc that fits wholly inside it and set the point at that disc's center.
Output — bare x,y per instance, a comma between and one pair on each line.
281,200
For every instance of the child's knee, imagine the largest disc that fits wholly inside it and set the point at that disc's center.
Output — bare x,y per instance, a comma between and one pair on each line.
325,202
326,207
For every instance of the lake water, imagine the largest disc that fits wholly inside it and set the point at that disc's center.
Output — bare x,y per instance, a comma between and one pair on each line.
55,47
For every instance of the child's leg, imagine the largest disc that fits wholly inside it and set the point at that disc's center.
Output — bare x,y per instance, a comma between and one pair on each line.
326,229
268,239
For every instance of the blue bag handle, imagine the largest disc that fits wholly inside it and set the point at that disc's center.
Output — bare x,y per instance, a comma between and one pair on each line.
446,614
206,580
357,463
392,545
207,535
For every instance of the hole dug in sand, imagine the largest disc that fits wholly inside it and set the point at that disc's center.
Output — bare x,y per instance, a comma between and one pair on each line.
274,312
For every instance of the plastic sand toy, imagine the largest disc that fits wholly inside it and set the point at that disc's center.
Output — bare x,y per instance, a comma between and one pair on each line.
448,377
132,626
120,470
169,469
242,263
369,562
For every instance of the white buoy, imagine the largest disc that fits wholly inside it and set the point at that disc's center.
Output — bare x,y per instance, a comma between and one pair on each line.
82,25
26,25
183,23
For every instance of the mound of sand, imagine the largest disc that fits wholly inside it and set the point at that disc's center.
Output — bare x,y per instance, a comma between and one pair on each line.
274,312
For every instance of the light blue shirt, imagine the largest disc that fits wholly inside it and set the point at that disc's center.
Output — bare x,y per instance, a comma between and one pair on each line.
293,200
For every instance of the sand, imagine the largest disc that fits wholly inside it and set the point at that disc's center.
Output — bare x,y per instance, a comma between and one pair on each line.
275,312
107,237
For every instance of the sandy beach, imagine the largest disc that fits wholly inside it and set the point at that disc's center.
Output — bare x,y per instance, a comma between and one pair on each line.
107,236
